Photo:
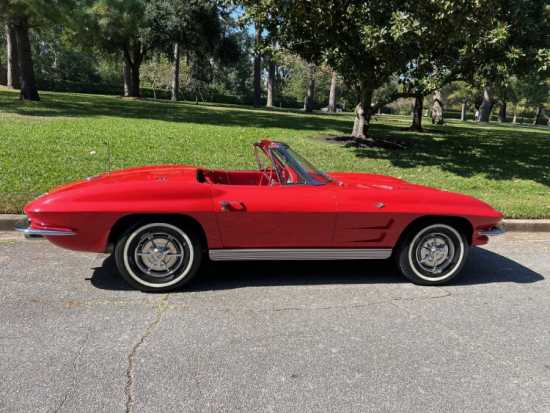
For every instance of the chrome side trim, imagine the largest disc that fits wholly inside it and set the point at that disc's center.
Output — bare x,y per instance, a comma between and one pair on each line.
493,232
295,254
32,233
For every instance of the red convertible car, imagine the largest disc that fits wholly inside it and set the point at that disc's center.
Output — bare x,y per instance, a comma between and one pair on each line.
162,221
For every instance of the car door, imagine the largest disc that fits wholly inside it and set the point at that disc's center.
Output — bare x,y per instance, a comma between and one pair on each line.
277,216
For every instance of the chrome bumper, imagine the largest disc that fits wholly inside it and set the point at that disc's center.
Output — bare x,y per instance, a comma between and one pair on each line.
493,232
25,228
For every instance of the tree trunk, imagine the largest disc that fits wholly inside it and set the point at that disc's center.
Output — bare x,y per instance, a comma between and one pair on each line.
27,81
12,65
362,115
417,113
310,93
502,112
127,77
538,116
332,94
437,108
134,91
258,68
176,73
270,82
515,118
132,64
486,106
463,111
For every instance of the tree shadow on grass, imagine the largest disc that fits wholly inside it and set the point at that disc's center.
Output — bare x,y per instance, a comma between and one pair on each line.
84,106
483,267
499,153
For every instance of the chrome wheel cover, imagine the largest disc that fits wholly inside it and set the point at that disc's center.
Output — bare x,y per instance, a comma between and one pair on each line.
435,252
159,254
175,267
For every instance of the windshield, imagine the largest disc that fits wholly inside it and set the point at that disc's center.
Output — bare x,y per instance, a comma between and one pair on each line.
304,171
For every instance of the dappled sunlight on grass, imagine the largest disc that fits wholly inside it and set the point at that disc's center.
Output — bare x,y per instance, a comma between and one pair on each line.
66,136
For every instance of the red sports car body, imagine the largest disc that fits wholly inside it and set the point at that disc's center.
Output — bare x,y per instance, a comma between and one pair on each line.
285,210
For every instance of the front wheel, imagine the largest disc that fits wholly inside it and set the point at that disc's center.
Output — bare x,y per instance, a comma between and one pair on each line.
158,256
433,254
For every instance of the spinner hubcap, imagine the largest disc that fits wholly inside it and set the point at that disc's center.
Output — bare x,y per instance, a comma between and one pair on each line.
159,254
435,253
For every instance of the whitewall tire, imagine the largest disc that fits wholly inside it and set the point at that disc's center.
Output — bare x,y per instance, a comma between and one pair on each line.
433,254
158,256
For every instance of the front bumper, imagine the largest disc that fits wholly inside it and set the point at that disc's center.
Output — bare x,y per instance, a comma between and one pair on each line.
493,231
24,226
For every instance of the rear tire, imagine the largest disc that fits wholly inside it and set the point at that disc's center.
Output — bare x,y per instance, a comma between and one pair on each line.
432,254
158,257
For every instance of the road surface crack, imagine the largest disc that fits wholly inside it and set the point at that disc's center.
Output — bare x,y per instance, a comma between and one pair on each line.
74,368
130,371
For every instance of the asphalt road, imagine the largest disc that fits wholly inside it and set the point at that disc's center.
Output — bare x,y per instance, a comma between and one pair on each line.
284,337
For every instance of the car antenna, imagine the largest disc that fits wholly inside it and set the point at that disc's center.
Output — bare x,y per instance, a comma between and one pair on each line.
109,158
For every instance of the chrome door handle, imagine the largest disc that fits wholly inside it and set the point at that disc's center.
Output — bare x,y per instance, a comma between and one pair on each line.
232,206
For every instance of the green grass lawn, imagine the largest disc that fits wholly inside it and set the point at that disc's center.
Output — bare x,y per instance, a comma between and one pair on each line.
51,142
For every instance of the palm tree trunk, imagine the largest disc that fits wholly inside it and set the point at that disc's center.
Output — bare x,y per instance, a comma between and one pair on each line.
175,89
332,94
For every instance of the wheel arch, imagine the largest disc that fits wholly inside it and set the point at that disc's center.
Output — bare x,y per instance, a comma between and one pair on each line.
460,223
180,220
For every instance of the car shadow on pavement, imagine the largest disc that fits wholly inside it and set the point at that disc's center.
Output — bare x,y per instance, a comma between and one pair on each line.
483,267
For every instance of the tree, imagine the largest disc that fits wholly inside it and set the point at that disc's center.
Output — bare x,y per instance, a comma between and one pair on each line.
257,65
121,26
20,16
369,42
536,91
464,94
515,47
12,65
189,28
332,93
270,54
437,108
158,73
309,101
29,90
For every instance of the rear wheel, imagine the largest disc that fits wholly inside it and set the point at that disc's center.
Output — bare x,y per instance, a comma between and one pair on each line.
433,254
158,256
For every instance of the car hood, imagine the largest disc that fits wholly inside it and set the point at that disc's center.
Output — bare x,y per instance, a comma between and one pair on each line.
376,181
403,195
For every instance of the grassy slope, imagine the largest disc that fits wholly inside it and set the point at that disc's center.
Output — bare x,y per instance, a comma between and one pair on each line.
47,143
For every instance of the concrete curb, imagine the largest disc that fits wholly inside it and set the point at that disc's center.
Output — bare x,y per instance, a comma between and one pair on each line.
527,225
7,223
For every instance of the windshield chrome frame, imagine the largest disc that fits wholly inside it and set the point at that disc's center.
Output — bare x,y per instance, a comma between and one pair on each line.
292,162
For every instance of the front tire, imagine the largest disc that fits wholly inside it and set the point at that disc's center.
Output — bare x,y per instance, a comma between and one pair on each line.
433,254
158,256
